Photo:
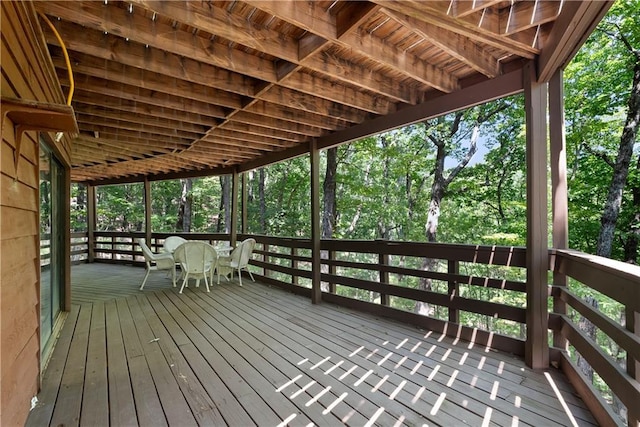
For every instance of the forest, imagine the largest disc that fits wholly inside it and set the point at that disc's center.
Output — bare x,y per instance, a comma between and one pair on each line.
460,178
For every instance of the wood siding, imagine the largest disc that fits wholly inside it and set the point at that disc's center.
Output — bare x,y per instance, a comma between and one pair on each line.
27,73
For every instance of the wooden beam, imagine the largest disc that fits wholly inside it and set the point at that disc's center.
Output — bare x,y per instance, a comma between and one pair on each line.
320,22
536,347
523,15
140,123
137,28
435,13
505,85
314,158
580,18
559,192
456,45
312,103
113,71
77,38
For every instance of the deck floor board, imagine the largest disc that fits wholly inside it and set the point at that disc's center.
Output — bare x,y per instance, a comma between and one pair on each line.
256,355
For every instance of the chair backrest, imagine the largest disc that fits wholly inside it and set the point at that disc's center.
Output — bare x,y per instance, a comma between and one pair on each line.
195,257
171,243
148,255
246,249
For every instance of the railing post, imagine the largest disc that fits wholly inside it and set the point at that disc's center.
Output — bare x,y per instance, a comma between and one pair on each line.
91,222
147,214
294,265
383,262
453,290
633,365
559,202
535,100
332,270
316,262
265,259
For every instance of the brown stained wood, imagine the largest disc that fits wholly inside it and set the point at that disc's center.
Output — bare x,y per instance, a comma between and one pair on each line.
627,340
69,399
148,406
252,350
535,94
121,406
344,62
626,388
396,355
95,410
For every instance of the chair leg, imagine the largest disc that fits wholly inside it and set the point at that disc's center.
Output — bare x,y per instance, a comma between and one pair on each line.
173,276
239,276
145,279
184,282
206,282
250,275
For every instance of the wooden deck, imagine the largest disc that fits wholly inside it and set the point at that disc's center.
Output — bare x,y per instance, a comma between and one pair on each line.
256,355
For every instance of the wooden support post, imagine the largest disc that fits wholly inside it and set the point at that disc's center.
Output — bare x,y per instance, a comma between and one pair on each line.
91,222
536,347
245,199
147,214
316,274
234,208
454,290
383,261
559,203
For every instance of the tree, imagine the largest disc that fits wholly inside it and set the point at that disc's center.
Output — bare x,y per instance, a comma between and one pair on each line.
184,206
447,134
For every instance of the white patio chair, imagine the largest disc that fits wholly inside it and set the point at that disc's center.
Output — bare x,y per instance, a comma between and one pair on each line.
155,262
171,243
238,260
197,261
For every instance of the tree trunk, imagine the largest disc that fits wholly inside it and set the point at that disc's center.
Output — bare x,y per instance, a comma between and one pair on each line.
632,240
329,207
621,168
184,209
225,203
438,189
590,330
329,194
261,197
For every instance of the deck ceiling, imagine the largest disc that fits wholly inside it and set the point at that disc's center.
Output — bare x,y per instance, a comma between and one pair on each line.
173,88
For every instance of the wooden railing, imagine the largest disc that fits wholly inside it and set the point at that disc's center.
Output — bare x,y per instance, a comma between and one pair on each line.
79,250
477,294
620,282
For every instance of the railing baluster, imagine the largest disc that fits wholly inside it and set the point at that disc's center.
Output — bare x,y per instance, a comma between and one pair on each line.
453,289
383,261
332,270
294,264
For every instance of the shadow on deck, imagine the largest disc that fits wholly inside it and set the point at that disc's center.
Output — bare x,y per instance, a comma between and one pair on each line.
256,355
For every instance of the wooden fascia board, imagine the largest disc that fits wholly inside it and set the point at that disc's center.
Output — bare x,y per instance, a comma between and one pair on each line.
576,22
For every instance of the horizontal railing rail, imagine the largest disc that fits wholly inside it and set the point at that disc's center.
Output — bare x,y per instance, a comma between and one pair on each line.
620,282
386,276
